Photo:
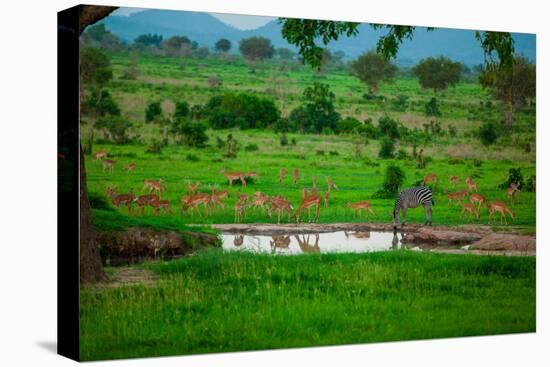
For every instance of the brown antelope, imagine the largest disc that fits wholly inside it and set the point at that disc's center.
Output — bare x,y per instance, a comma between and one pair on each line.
280,205
305,246
124,199
463,194
330,184
499,206
108,164
307,203
512,191
234,176
457,196
296,175
327,198
160,204
144,200
217,196
157,187
100,155
471,184
260,200
279,242
130,167
193,201
478,200
362,205
240,208
192,187
429,178
454,180
282,175
471,210
111,192
148,185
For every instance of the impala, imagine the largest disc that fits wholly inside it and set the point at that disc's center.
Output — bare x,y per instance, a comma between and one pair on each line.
148,184
100,155
499,206
307,203
192,187
157,187
478,200
260,200
240,208
362,205
130,167
124,199
471,184
238,240
234,176
330,184
108,164
296,174
280,205
457,196
144,200
111,192
282,175
217,196
305,246
429,178
327,198
471,210
161,204
193,202
512,191
279,242
454,180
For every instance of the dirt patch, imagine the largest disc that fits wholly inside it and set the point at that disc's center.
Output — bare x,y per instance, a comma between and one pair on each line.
506,242
125,276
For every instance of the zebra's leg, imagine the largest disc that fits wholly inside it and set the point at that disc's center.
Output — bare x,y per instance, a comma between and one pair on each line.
404,213
428,208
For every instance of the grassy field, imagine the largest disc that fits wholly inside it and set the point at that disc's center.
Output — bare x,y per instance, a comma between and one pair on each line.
219,302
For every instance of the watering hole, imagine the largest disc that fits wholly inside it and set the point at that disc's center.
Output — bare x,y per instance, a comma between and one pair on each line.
335,242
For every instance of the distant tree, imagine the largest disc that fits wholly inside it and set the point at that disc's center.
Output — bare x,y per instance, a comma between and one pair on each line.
223,45
101,103
256,48
101,37
388,128
513,84
387,148
487,133
201,52
149,40
114,126
177,46
182,109
95,68
372,68
153,112
285,53
317,113
437,73
192,134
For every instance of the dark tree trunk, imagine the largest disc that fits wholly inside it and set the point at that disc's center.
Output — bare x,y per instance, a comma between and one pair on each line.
91,269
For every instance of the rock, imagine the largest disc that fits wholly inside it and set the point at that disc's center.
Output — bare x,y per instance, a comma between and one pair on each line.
433,235
506,242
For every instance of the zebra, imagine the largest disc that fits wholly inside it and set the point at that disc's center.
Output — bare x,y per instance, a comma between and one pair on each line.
412,198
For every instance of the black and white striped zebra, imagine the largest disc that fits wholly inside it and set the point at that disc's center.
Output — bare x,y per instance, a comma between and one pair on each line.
413,198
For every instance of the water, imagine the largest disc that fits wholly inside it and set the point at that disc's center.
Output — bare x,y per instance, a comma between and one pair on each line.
336,242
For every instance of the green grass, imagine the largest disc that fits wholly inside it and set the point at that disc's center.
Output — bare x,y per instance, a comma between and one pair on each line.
220,302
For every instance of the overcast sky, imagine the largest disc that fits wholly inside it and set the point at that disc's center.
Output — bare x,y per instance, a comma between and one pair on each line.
237,21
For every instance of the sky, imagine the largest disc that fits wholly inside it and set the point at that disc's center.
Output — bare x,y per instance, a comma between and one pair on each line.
238,21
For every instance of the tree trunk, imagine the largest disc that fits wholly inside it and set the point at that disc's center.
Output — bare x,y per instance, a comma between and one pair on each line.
91,269
509,116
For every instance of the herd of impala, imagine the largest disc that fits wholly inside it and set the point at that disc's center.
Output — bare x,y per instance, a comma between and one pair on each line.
310,197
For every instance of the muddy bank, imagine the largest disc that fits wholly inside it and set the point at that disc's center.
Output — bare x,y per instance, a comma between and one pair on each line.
138,244
475,239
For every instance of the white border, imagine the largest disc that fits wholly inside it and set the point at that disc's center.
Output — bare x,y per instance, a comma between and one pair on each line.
28,182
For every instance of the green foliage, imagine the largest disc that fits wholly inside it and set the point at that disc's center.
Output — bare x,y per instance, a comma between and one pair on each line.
256,48
348,125
372,69
452,131
101,103
251,148
514,176
182,110
387,148
99,36
95,68
388,128
246,111
114,126
177,46
400,103
530,184
317,112
285,53
192,157
155,146
149,39
192,134
153,111
283,140
393,180
487,133
432,108
223,45
437,73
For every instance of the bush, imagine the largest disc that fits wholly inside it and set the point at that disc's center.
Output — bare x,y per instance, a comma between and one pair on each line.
320,152
182,109
402,154
392,182
487,134
387,148
371,163
242,110
293,141
388,127
452,131
192,134
477,162
220,144
251,148
530,185
114,126
101,104
514,176
432,108
192,158
283,140
400,103
368,130
317,112
155,147
153,111
347,125
333,152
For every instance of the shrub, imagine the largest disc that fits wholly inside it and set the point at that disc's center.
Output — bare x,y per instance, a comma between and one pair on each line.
530,184
514,176
130,73
192,158
293,141
432,108
388,127
387,148
246,111
153,111
214,81
192,134
333,152
367,129
347,125
392,182
220,144
402,154
487,133
477,162
251,148
155,146
455,160
452,131
317,112
182,109
101,103
371,163
400,103
283,140
114,126
320,152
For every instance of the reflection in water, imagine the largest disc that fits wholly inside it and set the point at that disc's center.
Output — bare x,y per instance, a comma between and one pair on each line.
341,241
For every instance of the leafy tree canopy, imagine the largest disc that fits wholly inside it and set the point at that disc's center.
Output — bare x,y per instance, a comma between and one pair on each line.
223,45
256,48
372,68
437,73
